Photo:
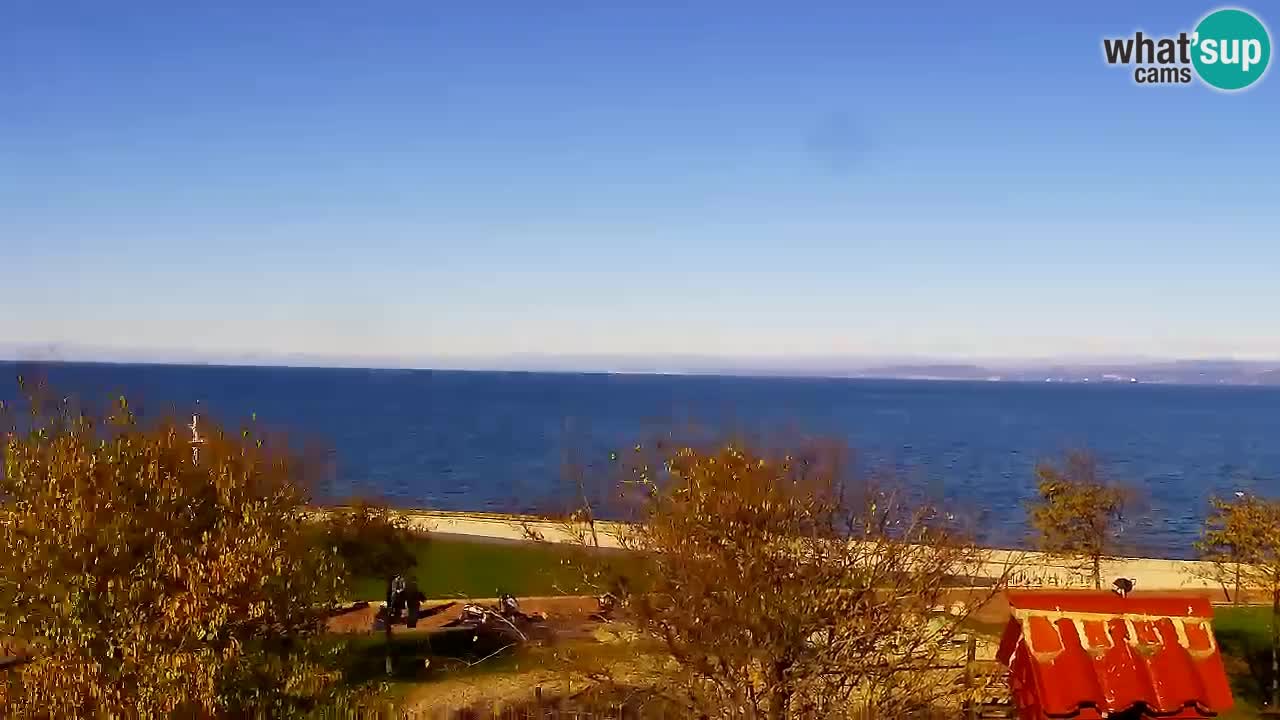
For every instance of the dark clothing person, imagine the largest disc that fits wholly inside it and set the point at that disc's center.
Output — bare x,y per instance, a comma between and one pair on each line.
397,598
413,599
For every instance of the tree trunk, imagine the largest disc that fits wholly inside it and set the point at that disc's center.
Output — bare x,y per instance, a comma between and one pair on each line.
1097,572
971,698
386,611
1275,647
387,636
780,693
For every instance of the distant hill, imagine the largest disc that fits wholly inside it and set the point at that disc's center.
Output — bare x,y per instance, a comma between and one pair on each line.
1170,372
1177,372
929,372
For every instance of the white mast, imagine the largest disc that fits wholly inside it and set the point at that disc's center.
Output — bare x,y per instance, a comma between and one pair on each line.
196,440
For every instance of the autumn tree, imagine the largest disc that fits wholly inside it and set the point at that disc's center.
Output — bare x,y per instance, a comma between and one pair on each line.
150,577
780,586
371,540
1242,540
1079,513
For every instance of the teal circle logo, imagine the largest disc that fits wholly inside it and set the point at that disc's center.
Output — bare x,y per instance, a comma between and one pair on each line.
1231,49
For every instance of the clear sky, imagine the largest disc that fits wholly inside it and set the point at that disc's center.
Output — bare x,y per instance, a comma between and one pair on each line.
472,179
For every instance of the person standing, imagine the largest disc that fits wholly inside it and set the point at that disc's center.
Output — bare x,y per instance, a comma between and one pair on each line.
397,597
413,599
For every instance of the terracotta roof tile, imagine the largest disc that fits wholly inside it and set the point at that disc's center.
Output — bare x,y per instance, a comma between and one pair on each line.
1087,654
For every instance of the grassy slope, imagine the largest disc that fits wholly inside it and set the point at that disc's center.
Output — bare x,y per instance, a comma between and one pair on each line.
455,567
1244,636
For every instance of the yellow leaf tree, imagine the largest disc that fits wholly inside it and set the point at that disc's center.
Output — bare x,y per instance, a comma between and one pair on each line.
147,577
1079,513
1242,540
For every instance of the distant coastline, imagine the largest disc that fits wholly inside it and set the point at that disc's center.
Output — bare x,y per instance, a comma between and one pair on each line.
1236,373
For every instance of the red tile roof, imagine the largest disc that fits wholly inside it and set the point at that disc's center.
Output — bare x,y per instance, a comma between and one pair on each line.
1087,654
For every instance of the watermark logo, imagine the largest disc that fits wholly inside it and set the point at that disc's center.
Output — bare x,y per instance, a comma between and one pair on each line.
1228,50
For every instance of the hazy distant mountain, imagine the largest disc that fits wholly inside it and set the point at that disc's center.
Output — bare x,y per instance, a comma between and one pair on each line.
1177,372
1180,372
939,371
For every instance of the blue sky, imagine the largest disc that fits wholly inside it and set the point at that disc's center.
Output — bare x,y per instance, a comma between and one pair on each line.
467,180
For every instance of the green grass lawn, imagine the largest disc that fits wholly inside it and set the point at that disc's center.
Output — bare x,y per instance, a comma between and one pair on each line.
449,652
1244,637
450,566
417,659
1253,618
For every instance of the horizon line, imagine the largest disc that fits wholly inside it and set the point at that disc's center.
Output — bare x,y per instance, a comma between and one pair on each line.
777,366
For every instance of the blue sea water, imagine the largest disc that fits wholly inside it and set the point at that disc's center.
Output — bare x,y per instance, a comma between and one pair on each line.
496,441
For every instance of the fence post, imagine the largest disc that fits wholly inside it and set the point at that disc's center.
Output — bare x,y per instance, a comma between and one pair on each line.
563,703
971,654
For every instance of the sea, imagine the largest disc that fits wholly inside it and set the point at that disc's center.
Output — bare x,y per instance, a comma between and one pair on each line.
499,441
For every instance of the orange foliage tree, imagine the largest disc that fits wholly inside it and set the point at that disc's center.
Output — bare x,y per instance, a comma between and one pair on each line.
779,585
146,579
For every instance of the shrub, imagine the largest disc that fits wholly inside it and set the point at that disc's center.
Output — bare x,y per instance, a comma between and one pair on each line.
149,579
371,540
